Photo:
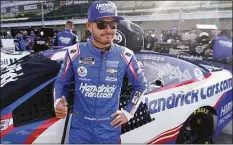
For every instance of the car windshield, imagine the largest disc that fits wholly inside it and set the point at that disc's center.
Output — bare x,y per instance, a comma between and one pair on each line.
166,70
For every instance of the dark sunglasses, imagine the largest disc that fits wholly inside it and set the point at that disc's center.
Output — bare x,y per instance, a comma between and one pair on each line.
103,24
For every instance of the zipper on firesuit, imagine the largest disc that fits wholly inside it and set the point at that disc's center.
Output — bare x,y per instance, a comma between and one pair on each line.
101,53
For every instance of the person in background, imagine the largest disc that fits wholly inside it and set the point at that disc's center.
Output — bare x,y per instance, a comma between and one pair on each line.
150,41
21,45
98,67
25,35
8,35
66,37
221,46
172,36
54,36
33,36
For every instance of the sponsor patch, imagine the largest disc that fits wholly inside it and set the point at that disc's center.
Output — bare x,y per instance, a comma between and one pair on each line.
199,49
82,71
201,110
87,60
93,91
65,40
112,63
111,79
198,74
136,97
111,71
153,57
6,123
73,51
128,54
84,79
105,7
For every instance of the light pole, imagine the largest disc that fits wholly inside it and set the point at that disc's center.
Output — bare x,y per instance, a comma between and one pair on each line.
180,11
42,13
1,25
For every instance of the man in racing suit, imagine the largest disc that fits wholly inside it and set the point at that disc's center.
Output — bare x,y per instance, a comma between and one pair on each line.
221,47
98,67
66,38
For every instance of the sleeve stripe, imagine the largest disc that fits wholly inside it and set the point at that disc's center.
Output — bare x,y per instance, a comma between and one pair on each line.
78,52
67,66
130,64
54,94
131,111
122,55
132,70
68,61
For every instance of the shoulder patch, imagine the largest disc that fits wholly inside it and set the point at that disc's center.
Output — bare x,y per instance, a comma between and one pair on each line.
73,51
127,54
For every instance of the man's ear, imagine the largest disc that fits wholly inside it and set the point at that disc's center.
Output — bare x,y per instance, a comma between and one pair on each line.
88,25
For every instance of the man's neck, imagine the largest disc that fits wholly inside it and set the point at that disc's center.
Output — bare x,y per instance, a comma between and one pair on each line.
101,46
68,29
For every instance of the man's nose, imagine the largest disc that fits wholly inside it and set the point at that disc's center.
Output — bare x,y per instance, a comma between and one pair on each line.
108,28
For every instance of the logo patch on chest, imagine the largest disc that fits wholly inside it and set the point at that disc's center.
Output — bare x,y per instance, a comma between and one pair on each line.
111,71
110,79
112,63
82,71
86,60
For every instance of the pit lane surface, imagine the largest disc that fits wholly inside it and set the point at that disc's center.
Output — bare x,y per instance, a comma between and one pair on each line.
224,138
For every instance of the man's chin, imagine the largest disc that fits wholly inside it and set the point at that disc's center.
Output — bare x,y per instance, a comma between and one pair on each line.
107,42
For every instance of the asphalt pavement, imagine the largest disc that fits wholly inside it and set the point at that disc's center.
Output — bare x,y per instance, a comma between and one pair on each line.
224,138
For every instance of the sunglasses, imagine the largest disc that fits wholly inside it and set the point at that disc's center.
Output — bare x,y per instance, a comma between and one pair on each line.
103,24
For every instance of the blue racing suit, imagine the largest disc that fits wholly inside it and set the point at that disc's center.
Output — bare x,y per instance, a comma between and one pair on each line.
65,38
21,45
98,81
222,48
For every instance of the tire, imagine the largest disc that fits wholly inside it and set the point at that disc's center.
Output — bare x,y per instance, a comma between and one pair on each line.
198,129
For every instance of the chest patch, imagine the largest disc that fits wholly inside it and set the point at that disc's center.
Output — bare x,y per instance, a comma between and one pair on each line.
82,71
87,60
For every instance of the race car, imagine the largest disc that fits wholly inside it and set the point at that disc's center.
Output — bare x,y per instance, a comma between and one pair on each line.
185,102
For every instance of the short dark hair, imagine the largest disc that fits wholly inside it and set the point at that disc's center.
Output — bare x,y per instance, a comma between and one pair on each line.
18,32
226,32
69,23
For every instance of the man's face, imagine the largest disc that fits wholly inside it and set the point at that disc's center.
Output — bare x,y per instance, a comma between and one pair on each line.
174,32
19,35
104,30
25,33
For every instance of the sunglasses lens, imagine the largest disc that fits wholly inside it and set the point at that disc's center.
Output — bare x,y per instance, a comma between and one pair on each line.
113,25
102,25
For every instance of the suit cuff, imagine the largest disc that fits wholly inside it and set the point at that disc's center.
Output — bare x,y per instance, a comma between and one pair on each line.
55,103
127,114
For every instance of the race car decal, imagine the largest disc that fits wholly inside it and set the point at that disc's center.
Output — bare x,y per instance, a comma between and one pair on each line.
6,124
12,74
33,136
224,111
220,99
166,136
180,99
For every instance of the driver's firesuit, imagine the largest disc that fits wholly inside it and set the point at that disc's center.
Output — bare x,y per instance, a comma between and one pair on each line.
98,81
